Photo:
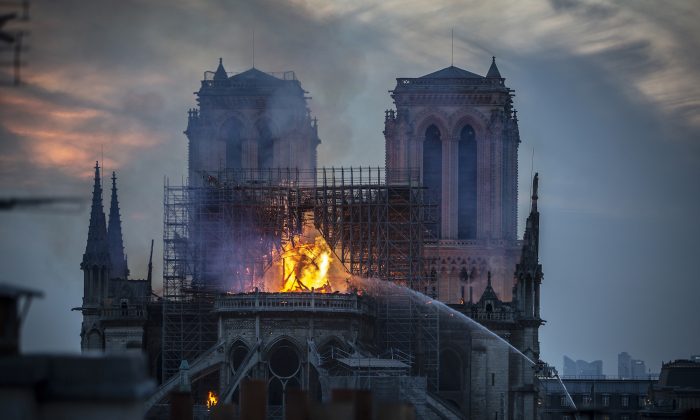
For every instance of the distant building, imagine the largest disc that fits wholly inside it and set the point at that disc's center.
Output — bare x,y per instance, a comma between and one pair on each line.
594,398
583,369
677,393
639,369
624,365
629,368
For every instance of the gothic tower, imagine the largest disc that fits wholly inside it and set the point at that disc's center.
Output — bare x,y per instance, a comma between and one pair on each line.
114,306
459,131
251,120
96,266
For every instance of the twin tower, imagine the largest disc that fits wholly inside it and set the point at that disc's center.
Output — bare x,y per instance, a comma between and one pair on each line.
457,129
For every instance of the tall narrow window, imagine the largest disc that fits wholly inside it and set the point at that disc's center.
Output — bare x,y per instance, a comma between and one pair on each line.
231,132
467,184
265,146
432,172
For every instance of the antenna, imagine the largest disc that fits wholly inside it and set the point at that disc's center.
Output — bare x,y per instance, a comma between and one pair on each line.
102,159
253,48
452,63
150,266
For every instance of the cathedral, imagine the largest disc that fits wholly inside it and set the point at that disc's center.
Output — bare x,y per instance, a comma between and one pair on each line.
440,218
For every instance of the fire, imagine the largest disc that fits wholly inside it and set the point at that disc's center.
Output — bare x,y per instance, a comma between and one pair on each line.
212,400
303,264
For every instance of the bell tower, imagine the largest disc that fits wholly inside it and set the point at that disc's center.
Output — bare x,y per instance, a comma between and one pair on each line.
252,120
458,132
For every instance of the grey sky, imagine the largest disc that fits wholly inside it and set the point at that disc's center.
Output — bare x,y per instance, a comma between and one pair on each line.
608,96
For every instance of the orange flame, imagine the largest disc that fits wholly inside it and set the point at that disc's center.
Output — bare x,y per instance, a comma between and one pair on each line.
212,400
303,264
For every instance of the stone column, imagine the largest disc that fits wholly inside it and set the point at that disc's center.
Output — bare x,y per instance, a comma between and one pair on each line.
483,189
450,166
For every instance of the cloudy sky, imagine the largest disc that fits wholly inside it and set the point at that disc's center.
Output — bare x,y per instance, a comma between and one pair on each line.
608,97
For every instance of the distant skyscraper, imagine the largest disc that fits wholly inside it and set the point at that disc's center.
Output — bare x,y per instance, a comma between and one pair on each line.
582,368
639,369
629,368
624,365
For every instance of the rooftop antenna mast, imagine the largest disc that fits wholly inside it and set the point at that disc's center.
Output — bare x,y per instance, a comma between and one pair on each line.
150,267
452,62
253,49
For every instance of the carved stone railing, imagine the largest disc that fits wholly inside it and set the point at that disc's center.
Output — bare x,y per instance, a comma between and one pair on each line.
491,316
131,312
292,302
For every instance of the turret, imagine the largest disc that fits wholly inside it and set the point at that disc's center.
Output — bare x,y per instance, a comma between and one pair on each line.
220,73
528,272
493,70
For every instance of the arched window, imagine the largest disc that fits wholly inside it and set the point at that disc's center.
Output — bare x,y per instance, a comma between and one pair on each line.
239,351
450,371
232,132
265,146
432,171
466,213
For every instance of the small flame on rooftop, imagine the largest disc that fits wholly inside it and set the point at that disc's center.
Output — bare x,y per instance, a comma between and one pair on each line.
212,400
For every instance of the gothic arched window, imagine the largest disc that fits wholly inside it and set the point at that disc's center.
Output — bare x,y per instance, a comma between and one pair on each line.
466,213
265,145
432,170
232,132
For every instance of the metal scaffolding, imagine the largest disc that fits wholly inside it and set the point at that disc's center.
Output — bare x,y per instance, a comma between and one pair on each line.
220,235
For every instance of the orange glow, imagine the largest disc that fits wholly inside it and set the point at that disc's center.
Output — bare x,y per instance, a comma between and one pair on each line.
64,135
305,263
212,400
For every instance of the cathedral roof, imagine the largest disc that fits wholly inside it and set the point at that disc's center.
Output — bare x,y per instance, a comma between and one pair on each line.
452,72
252,82
255,75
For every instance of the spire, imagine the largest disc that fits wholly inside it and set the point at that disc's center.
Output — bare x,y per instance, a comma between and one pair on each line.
114,236
96,248
529,258
220,71
493,70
